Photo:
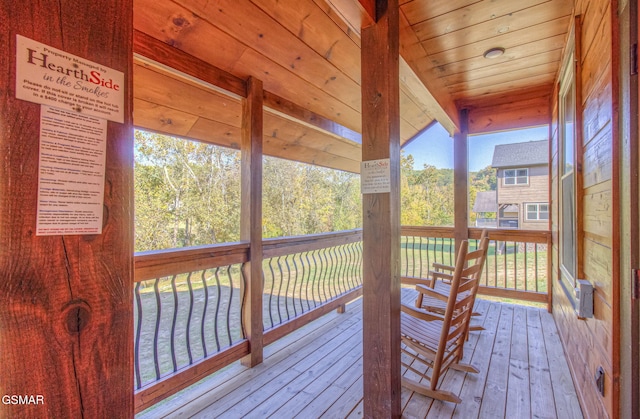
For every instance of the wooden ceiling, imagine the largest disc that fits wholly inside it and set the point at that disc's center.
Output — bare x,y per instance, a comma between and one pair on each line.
307,53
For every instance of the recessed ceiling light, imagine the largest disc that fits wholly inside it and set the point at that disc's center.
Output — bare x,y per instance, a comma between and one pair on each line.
493,52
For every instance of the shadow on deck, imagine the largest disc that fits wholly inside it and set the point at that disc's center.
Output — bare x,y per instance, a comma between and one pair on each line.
316,372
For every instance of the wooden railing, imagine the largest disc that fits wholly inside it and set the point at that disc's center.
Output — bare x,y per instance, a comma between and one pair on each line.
188,303
517,264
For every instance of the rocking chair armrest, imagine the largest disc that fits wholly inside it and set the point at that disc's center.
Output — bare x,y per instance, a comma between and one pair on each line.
428,291
448,278
440,266
420,314
414,280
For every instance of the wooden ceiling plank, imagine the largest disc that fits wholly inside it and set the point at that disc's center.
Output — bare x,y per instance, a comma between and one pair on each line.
548,69
411,51
478,13
184,30
180,28
174,58
268,37
418,11
550,57
519,52
548,30
161,89
413,87
512,115
530,92
289,86
507,86
305,20
440,36
276,147
348,26
278,127
151,116
288,109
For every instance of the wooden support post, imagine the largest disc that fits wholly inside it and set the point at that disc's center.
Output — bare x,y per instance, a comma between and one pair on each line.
66,318
381,223
461,180
251,217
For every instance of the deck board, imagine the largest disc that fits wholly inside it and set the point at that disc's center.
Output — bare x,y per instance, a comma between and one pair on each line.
317,372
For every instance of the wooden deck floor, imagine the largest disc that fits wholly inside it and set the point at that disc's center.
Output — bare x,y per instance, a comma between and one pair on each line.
316,372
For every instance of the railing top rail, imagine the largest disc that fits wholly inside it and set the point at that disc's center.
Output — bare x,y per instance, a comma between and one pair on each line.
297,244
159,263
529,236
427,231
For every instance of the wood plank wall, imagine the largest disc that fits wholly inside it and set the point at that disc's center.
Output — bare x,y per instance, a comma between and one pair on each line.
66,318
591,343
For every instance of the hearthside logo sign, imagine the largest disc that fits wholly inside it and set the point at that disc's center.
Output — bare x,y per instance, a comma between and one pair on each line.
375,176
49,76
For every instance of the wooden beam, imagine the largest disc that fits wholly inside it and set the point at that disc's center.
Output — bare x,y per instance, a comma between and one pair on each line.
174,58
461,179
66,319
251,217
381,221
370,7
297,113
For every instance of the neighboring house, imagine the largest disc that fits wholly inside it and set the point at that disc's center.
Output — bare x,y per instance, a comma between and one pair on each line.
522,185
486,209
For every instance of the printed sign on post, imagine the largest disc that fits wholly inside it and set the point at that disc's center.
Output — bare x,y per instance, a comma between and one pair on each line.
375,176
50,76
71,173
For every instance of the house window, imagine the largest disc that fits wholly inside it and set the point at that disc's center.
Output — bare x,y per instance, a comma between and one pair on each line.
567,157
516,177
537,212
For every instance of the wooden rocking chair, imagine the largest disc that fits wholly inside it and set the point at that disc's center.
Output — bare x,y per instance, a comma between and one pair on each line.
435,340
442,275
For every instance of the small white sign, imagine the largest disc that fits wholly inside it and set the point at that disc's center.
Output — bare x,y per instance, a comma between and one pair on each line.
71,173
53,77
375,176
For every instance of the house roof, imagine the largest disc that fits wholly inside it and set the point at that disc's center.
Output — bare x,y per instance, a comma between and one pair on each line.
532,153
486,202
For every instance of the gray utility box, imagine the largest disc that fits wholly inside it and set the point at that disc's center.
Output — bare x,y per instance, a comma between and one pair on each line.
584,299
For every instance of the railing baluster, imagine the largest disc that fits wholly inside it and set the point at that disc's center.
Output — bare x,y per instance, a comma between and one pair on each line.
188,335
315,278
231,287
323,261
307,281
526,269
279,289
295,283
216,336
536,265
204,312
286,291
273,280
136,347
173,323
420,257
156,333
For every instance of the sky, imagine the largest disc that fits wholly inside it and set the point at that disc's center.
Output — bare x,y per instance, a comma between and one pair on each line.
435,147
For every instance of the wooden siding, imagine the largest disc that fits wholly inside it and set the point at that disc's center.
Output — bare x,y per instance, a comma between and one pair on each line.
536,191
590,343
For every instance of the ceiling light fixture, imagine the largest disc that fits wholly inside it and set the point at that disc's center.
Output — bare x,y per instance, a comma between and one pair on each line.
493,52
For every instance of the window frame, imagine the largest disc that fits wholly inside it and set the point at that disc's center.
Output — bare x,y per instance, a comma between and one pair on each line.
515,176
537,211
568,198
